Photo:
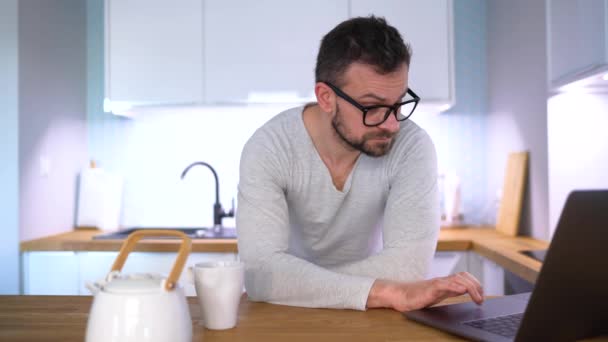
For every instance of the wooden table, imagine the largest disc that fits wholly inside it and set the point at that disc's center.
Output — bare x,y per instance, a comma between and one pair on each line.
64,318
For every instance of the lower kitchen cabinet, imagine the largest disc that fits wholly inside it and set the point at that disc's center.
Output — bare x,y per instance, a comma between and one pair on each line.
445,263
67,273
49,273
490,275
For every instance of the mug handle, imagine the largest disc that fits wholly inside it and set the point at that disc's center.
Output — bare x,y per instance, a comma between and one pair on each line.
178,266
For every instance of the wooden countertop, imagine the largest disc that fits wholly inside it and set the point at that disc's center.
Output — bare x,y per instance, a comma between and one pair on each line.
82,240
500,248
64,318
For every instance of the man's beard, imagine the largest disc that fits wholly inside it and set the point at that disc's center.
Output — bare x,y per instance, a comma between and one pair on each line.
364,145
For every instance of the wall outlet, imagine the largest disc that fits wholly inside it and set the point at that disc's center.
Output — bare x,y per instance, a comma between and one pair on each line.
45,166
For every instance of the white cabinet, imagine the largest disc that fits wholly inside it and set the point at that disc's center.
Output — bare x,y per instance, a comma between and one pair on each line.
66,273
94,266
428,27
50,273
490,275
160,52
445,263
153,51
577,39
265,51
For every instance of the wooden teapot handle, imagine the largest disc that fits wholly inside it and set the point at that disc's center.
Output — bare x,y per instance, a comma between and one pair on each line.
178,266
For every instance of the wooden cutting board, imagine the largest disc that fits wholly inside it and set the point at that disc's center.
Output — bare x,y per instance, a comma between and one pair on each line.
514,185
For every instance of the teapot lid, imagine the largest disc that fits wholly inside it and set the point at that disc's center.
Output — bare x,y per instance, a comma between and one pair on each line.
135,284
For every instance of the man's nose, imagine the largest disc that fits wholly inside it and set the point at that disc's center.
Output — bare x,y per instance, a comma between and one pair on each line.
390,124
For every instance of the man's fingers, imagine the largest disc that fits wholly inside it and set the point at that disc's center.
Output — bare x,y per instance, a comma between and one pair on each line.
456,285
450,288
458,288
470,286
474,280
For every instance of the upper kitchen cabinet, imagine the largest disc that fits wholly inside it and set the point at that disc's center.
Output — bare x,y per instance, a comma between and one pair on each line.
428,27
153,52
161,52
577,40
265,50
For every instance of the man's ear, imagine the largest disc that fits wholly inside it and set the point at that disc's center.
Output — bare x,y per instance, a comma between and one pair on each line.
326,98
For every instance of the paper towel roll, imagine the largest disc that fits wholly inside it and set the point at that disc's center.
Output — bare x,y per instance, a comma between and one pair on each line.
99,199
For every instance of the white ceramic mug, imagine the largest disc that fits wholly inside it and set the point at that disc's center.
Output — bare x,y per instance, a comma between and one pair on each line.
219,287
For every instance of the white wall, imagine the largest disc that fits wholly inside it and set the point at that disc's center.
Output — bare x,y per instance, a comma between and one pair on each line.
52,116
517,102
578,146
152,151
9,128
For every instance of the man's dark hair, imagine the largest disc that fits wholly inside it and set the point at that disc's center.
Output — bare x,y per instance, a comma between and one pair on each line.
369,40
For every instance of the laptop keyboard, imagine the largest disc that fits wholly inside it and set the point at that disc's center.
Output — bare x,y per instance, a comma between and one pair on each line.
503,325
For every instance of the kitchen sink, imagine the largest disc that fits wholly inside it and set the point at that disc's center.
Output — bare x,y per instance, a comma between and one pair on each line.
193,233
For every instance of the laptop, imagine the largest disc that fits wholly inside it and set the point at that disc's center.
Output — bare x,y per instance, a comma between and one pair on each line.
570,298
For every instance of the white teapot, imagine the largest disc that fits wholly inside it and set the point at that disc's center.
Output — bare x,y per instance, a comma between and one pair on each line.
141,307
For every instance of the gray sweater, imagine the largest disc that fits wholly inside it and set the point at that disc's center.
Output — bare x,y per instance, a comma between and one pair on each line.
304,243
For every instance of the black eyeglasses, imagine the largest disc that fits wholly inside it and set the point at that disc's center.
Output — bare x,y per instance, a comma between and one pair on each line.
375,115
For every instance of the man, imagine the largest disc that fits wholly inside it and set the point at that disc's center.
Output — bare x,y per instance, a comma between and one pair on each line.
338,199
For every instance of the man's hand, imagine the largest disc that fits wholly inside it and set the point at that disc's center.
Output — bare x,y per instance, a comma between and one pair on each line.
418,295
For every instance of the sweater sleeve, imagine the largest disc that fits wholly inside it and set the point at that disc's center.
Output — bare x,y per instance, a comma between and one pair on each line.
411,217
271,273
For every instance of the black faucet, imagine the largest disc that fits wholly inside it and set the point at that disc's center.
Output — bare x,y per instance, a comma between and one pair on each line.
218,211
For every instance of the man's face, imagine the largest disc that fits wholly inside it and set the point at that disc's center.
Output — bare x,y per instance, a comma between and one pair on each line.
369,88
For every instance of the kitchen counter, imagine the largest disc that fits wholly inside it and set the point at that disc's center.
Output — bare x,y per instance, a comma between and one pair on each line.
500,248
82,240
